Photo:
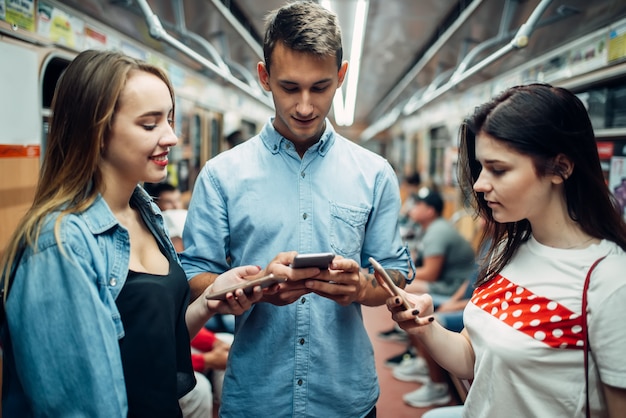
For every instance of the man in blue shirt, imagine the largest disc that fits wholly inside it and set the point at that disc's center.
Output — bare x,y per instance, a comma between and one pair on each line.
299,187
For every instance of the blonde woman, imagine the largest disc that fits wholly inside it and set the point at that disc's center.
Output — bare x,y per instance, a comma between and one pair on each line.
97,314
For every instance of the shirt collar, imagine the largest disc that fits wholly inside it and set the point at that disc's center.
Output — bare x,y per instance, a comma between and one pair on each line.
99,217
274,141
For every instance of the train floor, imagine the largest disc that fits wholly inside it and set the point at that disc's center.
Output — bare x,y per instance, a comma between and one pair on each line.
390,403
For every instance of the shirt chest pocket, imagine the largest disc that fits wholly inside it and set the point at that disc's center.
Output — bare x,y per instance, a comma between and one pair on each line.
347,229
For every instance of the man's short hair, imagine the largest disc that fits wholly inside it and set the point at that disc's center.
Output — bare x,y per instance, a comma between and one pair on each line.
303,26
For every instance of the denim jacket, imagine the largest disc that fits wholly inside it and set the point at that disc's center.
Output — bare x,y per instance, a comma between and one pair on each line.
61,349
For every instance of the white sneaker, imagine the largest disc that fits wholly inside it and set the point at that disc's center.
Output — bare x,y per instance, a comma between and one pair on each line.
430,394
412,369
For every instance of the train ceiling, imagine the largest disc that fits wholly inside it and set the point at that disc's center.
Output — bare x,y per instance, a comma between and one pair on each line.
410,46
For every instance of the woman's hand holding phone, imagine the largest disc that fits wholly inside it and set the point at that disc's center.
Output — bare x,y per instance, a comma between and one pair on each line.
404,306
246,286
384,280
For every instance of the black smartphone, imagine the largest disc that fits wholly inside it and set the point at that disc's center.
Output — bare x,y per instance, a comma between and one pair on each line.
386,283
247,287
319,260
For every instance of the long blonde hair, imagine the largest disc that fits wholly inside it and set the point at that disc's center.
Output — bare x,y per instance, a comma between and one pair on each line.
83,110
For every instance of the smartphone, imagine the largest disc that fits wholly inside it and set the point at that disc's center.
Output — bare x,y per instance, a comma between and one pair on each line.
248,286
319,260
386,283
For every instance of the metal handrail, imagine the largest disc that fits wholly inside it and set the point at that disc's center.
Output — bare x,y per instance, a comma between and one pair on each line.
519,41
502,35
401,86
181,27
238,27
158,32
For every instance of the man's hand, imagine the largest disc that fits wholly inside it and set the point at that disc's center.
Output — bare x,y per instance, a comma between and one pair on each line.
342,282
294,288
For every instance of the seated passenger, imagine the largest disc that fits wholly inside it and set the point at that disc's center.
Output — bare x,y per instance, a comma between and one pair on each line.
447,259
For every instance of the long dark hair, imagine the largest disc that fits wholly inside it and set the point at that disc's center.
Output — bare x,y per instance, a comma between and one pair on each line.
542,122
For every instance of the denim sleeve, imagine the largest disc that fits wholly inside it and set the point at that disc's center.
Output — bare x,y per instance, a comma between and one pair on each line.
64,341
382,238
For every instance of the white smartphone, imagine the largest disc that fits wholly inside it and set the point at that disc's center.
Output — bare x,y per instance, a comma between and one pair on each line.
247,287
319,260
383,279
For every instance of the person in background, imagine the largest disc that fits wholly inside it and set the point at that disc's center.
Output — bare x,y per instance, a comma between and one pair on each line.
165,195
234,138
97,305
424,369
169,199
209,356
299,187
410,234
408,186
445,258
529,159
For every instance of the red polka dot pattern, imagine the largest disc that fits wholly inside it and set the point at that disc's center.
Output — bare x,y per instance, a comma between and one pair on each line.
536,316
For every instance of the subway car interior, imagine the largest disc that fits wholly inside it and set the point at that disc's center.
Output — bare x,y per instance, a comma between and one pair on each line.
417,68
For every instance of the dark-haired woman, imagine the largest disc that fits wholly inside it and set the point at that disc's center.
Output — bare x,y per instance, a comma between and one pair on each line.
530,163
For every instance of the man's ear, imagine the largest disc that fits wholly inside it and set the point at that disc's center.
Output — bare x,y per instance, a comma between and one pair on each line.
342,73
264,76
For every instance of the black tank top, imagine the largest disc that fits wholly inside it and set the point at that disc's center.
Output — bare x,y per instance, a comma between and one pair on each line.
155,350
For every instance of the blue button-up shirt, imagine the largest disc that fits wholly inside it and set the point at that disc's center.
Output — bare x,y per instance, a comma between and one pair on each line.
61,354
311,358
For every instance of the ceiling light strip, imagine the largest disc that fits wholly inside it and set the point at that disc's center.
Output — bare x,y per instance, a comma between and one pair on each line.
360,19
344,110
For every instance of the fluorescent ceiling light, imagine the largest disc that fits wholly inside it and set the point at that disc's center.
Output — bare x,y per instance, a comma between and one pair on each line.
344,110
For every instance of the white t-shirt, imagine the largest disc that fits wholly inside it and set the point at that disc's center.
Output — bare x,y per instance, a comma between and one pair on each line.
175,221
525,330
